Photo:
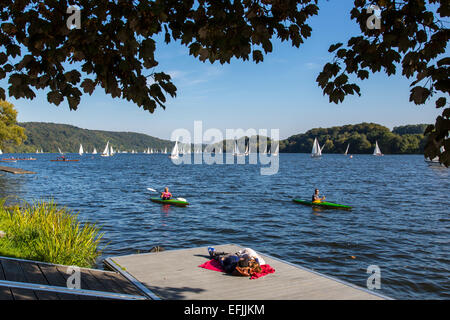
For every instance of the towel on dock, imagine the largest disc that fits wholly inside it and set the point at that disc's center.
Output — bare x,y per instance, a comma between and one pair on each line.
215,266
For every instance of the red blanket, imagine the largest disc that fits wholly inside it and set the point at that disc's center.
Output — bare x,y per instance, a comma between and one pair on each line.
215,266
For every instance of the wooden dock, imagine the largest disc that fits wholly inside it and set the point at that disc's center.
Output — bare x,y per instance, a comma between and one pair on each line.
175,275
31,280
15,170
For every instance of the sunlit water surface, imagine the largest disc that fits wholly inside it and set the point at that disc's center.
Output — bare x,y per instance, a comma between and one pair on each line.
400,220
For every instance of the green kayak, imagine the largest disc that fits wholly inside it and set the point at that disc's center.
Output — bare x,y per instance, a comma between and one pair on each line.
171,201
322,204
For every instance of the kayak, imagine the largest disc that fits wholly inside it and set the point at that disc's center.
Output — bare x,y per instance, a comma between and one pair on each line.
322,204
170,201
74,160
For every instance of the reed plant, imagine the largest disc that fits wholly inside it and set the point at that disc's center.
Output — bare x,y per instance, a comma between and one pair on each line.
43,231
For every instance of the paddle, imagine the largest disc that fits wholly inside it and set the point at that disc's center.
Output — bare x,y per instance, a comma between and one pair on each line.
153,190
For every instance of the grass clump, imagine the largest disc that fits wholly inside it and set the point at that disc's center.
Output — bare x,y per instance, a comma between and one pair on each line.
45,232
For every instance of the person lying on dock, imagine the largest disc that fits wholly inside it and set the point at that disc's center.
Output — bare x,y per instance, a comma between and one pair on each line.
243,263
316,198
166,195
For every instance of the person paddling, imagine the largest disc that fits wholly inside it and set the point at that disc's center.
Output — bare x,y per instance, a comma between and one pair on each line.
166,195
316,198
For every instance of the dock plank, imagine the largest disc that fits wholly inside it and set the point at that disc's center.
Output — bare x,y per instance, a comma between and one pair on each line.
15,170
13,272
5,292
63,270
96,284
33,274
55,278
117,282
174,274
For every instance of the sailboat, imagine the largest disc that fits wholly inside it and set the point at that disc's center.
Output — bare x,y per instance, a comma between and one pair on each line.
111,151
377,151
106,151
81,151
95,151
316,150
265,149
346,151
247,150
276,151
175,152
236,150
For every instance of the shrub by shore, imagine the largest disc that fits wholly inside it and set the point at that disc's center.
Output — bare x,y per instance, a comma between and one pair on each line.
45,232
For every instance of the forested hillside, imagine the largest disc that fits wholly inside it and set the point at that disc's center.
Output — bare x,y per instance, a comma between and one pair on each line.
50,136
402,140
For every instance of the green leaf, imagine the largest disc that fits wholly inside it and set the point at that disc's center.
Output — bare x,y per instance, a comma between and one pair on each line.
88,86
55,97
333,47
258,56
419,95
441,102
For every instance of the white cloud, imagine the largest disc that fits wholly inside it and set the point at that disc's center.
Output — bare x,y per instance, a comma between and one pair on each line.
311,65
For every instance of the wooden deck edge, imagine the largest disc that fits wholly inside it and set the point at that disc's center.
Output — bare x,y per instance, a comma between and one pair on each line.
51,264
115,266
80,292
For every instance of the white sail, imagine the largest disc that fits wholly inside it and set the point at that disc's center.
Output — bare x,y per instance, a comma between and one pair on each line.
246,149
316,150
346,151
265,149
175,152
60,150
111,151
377,151
81,151
42,151
1,152
95,151
106,151
276,150
37,151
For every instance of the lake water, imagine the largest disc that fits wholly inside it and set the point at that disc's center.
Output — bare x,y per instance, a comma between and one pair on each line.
400,220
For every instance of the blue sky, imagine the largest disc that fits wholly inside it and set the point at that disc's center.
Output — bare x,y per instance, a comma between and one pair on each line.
280,93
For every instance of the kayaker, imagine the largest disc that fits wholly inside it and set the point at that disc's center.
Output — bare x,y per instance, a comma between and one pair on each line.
316,198
166,195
